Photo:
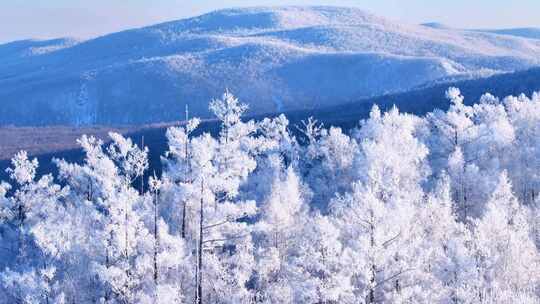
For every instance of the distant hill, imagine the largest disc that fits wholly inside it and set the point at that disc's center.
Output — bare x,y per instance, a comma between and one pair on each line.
49,142
276,59
436,25
424,100
525,32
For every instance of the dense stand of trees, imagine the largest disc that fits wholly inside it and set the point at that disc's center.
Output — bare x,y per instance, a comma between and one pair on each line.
443,208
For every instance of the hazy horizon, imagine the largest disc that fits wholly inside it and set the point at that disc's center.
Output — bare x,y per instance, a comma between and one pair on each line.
62,18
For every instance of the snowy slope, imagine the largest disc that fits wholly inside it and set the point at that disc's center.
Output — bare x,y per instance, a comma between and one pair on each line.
23,49
526,32
275,59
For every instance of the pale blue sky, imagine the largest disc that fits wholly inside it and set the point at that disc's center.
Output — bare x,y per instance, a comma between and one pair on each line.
20,19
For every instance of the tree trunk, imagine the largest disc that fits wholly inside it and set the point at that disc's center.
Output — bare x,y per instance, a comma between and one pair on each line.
108,263
142,175
372,280
200,249
187,171
156,236
184,220
371,295
128,262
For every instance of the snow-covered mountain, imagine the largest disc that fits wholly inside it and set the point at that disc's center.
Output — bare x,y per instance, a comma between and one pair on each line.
275,59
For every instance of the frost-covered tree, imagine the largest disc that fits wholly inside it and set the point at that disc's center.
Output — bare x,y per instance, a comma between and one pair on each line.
507,257
178,174
282,215
383,164
118,244
376,217
328,162
31,220
219,232
222,241
275,150
445,267
450,130
374,233
451,139
465,181
319,272
234,158
523,167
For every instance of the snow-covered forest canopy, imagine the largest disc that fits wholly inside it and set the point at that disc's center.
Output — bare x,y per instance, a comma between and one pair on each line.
442,208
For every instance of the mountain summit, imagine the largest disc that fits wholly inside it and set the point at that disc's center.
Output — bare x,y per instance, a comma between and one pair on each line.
274,59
